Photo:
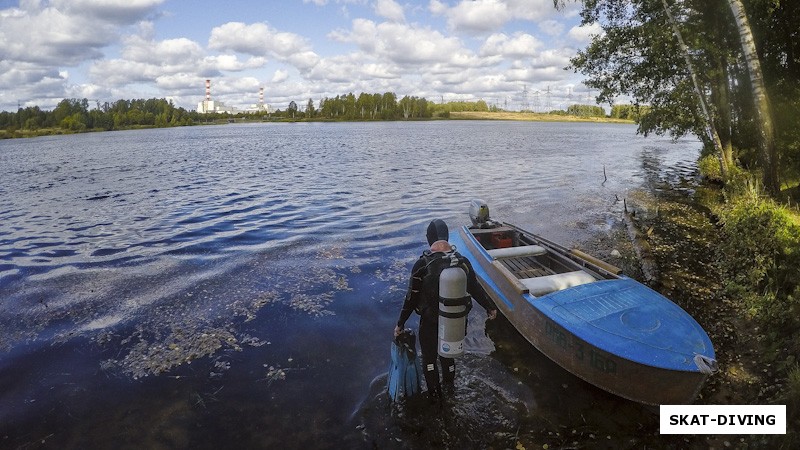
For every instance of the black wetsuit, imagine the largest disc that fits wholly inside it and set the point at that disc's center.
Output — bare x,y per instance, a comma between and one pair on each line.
423,297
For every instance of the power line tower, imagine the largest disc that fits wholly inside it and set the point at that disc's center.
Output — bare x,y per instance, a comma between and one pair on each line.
547,100
569,98
525,106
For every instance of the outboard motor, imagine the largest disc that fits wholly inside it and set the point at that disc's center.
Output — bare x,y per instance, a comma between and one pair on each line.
454,305
479,214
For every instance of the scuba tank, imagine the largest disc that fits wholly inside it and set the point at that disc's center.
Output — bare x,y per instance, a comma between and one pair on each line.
454,305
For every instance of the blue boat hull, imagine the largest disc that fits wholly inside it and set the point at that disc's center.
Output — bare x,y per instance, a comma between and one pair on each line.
612,331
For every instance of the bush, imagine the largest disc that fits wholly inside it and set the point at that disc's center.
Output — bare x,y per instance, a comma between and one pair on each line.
709,168
759,256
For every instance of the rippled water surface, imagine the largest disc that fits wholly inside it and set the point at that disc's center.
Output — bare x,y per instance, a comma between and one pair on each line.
205,286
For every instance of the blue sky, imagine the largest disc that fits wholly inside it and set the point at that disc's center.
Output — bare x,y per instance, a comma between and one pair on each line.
295,49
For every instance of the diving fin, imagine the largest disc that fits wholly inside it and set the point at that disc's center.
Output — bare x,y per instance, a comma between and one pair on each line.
396,371
405,369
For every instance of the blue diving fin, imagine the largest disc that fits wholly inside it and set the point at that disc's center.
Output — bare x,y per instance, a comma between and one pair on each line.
405,370
396,373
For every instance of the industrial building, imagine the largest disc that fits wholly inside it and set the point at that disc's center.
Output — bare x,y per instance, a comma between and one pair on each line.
211,106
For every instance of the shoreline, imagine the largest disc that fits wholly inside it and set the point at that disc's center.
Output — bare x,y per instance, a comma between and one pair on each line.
532,117
463,115
678,229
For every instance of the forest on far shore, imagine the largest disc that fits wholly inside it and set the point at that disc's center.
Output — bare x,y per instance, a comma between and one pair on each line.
78,115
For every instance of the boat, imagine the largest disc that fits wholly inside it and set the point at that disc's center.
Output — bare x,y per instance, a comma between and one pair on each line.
586,315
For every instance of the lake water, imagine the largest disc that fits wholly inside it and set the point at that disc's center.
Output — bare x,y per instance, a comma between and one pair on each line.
238,285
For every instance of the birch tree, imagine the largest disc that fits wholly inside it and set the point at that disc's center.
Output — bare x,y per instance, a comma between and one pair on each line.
713,135
766,129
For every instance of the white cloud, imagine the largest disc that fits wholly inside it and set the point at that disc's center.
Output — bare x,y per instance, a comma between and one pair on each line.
325,2
28,81
260,39
167,52
390,9
167,61
405,44
88,91
533,10
40,39
437,8
583,34
490,15
478,15
179,82
352,67
519,46
551,27
279,77
52,37
119,72
115,11
303,60
231,63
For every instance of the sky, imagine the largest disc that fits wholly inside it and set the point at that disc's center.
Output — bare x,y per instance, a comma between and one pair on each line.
509,53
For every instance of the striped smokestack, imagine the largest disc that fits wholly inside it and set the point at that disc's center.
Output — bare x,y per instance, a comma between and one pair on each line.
208,90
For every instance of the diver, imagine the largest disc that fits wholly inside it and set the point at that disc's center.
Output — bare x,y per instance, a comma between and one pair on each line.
423,297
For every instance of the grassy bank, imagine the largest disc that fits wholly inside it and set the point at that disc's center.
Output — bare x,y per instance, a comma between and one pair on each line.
24,133
731,260
531,117
28,133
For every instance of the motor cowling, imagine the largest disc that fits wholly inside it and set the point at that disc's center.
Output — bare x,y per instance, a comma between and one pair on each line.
454,305
479,212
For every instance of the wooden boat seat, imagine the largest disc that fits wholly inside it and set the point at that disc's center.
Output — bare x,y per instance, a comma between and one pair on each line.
513,252
550,283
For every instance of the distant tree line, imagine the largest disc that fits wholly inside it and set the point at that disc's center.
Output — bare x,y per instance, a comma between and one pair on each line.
76,115
377,106
586,111
628,112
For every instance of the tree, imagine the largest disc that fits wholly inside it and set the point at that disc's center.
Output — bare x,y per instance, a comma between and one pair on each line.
760,99
586,111
389,105
310,111
349,106
629,112
364,105
725,160
697,69
292,109
407,105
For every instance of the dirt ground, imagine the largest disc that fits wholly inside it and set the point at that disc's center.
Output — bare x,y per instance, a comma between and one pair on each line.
672,236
